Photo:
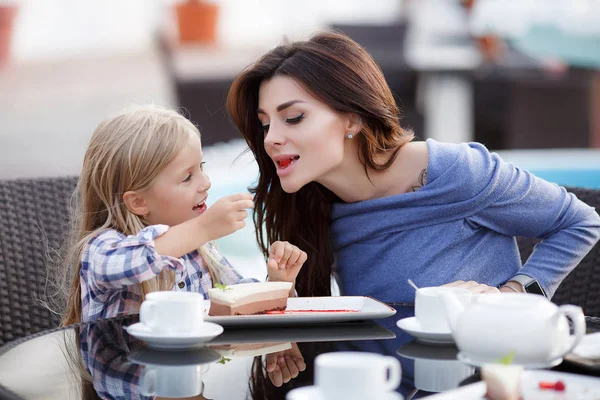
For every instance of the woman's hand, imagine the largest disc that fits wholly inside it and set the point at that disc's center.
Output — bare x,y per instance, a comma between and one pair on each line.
474,287
284,366
285,261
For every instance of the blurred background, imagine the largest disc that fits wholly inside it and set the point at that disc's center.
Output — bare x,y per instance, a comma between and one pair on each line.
519,76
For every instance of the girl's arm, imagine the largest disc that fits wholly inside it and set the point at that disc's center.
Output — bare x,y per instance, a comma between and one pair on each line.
112,260
224,217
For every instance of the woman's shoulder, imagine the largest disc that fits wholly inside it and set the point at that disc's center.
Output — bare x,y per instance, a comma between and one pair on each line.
432,153
415,152
464,158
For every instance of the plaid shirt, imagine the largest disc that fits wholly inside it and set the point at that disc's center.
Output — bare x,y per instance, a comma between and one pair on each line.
105,347
112,266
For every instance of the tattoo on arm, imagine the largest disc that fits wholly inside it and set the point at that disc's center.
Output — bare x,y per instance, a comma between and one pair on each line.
422,180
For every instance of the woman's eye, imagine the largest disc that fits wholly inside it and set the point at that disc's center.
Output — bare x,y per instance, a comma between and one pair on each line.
295,120
202,166
265,128
187,178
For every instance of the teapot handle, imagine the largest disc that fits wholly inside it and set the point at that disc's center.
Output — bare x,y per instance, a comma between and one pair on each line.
575,313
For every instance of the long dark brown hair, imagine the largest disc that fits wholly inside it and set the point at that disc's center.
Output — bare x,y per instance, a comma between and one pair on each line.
340,73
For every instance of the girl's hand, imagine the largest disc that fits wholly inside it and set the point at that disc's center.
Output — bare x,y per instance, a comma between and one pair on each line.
226,216
284,366
474,287
285,261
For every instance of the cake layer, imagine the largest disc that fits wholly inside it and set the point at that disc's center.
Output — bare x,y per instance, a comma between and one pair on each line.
258,307
250,349
245,293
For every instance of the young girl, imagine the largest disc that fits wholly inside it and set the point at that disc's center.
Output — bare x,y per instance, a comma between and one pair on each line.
143,224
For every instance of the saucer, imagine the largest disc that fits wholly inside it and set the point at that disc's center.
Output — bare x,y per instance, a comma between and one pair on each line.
175,341
476,362
416,350
589,346
411,325
314,393
164,358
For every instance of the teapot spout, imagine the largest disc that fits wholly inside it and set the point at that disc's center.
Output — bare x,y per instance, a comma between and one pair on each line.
454,308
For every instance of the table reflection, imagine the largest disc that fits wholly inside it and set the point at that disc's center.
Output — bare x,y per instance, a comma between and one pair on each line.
234,365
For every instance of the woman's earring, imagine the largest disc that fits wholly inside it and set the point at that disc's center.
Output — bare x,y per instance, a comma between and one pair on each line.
350,136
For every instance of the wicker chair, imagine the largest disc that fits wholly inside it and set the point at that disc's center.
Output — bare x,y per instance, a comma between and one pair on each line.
582,285
33,217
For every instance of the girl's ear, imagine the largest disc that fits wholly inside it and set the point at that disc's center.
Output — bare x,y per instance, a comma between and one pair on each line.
136,203
354,124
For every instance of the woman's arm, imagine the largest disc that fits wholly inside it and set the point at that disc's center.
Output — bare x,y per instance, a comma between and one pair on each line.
532,207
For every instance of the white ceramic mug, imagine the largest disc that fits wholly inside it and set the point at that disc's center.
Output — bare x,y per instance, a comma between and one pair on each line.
440,375
356,375
172,381
430,310
171,312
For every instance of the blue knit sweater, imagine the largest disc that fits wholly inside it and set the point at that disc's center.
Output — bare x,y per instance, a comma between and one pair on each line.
461,226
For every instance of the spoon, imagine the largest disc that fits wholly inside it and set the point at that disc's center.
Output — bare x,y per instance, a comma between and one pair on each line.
413,284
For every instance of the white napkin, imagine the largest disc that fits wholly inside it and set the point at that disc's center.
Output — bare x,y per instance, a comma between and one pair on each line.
589,346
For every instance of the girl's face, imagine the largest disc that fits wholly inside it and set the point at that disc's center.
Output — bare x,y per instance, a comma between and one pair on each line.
303,136
180,190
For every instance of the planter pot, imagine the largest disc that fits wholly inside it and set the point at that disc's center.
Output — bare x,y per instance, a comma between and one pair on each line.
7,17
197,22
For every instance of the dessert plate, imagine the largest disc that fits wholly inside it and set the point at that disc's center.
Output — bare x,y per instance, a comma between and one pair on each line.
576,386
314,393
312,310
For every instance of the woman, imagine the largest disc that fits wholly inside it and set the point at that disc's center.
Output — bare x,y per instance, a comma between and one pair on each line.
338,175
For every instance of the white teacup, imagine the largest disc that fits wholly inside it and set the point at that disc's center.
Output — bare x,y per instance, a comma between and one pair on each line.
430,310
356,375
171,312
172,381
440,375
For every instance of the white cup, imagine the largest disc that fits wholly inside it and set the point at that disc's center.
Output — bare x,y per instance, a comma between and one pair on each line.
356,375
440,375
430,310
170,312
171,381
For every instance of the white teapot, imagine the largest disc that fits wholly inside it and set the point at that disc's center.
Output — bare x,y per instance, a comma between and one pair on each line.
528,326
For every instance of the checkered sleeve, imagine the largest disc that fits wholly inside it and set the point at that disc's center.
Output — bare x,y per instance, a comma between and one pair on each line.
112,260
104,348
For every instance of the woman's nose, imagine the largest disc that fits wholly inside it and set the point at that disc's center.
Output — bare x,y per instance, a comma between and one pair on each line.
274,137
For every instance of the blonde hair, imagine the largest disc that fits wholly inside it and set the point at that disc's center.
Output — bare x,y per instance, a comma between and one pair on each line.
125,153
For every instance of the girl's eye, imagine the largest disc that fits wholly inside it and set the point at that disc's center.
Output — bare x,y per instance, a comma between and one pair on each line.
265,128
188,178
202,166
295,120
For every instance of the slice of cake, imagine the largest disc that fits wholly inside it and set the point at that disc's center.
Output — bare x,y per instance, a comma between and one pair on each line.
503,381
249,298
250,349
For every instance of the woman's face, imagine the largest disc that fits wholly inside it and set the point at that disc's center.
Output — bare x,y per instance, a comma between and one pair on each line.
303,136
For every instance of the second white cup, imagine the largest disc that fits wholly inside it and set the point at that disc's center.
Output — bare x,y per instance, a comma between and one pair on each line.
430,310
172,381
356,375
170,312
